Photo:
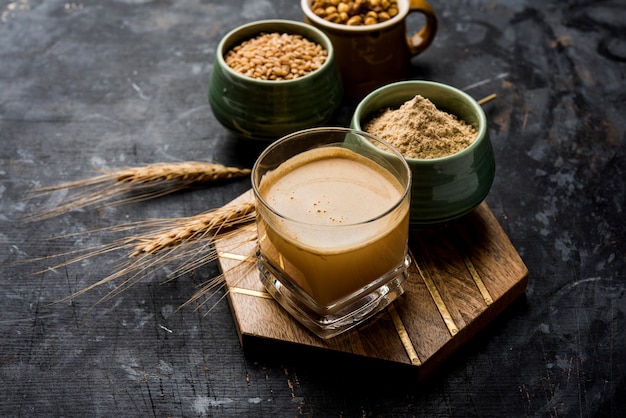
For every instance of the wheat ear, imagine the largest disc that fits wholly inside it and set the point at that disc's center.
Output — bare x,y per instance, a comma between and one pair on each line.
188,242
189,171
141,183
199,226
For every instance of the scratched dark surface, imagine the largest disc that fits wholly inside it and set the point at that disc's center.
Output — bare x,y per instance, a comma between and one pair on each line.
104,84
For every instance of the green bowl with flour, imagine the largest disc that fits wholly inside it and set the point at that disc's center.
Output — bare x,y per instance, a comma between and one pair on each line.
444,188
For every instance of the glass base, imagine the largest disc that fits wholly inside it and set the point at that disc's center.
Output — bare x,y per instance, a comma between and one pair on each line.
341,316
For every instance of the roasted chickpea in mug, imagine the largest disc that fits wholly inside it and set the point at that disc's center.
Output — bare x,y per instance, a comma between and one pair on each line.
355,12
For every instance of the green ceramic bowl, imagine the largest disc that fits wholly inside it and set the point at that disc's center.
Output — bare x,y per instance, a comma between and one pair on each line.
447,188
267,110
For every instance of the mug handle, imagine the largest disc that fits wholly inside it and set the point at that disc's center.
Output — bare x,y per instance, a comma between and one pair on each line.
422,39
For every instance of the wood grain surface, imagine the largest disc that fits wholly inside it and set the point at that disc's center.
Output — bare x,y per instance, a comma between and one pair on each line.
462,276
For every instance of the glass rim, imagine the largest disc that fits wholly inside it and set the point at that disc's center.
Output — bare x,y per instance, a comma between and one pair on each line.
389,148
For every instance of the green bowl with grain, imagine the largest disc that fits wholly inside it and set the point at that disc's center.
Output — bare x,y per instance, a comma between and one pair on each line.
267,109
444,188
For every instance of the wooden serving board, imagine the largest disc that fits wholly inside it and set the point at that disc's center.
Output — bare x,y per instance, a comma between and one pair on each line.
464,274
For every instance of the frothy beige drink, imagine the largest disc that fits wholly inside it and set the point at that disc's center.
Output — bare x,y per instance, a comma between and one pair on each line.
331,238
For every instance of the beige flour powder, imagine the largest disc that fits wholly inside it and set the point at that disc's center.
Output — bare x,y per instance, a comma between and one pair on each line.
419,130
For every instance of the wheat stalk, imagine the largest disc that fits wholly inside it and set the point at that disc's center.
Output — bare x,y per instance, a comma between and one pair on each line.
189,171
187,242
195,227
142,183
209,289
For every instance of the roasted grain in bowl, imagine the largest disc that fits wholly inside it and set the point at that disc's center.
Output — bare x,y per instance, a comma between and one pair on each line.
265,109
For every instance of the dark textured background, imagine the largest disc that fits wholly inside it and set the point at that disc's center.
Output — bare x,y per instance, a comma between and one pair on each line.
106,84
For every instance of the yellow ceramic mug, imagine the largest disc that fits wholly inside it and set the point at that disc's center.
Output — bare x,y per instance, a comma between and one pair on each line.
369,56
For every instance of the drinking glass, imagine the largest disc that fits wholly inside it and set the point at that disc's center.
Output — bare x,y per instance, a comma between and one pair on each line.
333,220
